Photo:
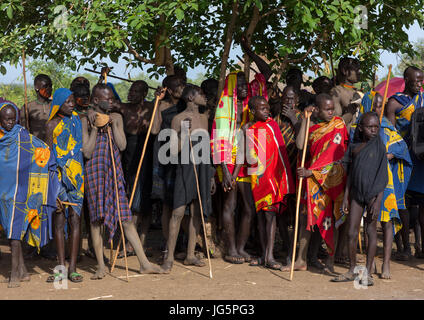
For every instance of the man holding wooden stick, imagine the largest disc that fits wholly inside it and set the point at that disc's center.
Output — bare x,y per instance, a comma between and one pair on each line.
185,192
137,114
100,178
325,178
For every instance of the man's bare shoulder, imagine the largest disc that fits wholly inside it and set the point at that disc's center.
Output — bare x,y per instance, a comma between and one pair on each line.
393,104
52,124
335,92
163,105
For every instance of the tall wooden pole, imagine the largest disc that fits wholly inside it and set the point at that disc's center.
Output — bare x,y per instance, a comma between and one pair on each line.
200,204
117,197
299,192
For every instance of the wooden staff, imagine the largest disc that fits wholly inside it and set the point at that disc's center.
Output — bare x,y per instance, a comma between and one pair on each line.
138,172
299,192
117,197
200,204
115,77
26,96
360,240
385,92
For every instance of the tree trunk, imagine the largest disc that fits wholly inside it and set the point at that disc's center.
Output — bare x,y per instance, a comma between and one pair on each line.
249,32
227,46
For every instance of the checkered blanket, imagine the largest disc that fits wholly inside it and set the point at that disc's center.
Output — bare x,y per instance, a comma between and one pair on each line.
101,188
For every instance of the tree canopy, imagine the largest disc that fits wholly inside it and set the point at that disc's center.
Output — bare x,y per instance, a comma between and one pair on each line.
153,35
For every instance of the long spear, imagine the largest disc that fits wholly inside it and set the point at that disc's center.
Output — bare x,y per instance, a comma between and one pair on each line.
299,192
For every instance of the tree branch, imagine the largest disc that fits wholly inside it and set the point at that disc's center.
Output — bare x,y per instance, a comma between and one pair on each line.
136,54
227,46
306,53
249,32
276,10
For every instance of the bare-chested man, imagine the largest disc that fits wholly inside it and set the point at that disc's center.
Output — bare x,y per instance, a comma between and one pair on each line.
345,93
137,114
185,192
39,109
162,174
100,179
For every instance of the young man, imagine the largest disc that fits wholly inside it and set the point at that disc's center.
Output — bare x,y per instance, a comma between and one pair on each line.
270,173
39,109
324,177
345,94
29,187
232,113
288,119
164,175
102,198
399,173
400,108
137,114
81,94
366,165
64,137
185,192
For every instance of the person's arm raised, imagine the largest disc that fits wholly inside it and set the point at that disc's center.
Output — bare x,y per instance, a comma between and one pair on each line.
264,68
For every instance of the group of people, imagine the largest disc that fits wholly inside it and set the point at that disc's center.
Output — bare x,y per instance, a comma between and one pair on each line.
76,156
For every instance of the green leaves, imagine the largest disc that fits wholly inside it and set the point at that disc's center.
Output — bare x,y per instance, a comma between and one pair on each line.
194,30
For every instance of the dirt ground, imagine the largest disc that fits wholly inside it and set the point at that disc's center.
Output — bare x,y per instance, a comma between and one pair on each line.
230,282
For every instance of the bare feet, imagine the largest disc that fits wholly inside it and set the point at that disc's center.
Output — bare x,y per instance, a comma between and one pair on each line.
194,262
385,272
151,269
167,266
100,274
14,283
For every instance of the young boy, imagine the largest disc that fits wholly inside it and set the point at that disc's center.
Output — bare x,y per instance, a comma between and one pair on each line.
325,178
366,164
64,137
185,191
39,109
271,174
29,187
